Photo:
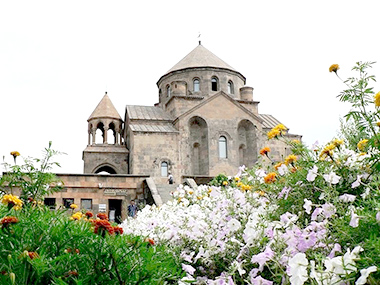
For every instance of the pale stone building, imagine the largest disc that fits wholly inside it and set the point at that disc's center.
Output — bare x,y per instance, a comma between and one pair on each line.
206,122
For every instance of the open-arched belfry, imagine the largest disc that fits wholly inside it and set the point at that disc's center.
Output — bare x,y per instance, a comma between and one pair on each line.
206,122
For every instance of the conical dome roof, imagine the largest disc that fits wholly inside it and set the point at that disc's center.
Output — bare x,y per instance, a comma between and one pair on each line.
200,57
105,109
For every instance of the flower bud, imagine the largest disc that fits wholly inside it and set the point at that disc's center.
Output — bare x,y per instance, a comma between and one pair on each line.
9,256
25,254
12,276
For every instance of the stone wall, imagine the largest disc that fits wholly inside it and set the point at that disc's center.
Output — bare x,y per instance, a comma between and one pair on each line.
101,190
151,149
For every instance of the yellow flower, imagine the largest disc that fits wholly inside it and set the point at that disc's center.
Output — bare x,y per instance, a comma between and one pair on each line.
9,199
270,178
225,183
15,153
280,129
378,124
290,159
362,145
377,99
273,133
337,142
73,206
260,192
77,216
246,187
327,151
237,178
334,68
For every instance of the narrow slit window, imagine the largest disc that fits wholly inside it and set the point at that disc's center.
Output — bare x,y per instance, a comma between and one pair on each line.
230,87
214,84
164,169
222,147
196,85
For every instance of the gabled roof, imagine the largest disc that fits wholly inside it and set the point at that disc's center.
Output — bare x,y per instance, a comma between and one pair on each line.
269,122
149,119
105,109
221,93
147,113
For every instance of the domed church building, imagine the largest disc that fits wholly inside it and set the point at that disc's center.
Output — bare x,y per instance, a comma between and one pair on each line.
206,122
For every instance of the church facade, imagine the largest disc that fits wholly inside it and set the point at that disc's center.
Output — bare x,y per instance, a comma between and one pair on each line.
206,122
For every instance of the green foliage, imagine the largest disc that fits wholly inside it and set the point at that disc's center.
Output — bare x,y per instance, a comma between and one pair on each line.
69,252
218,180
351,133
35,182
361,97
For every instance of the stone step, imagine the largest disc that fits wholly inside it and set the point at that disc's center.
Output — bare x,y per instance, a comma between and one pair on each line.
164,190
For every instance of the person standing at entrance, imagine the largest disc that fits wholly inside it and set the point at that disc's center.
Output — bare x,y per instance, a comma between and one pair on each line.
170,178
132,209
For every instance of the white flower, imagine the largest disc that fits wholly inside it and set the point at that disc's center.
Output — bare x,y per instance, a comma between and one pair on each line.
239,267
354,220
312,174
366,193
357,182
298,269
331,177
283,169
347,198
364,275
188,268
233,225
378,216
307,205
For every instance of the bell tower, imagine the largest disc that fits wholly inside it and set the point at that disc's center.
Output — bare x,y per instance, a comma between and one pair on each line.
105,151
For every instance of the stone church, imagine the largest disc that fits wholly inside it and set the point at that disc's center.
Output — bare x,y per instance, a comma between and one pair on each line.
206,122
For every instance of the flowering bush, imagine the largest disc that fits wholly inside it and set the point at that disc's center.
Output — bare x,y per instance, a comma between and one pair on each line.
313,218
40,246
31,181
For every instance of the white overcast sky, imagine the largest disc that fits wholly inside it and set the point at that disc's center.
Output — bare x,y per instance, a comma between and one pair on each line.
57,58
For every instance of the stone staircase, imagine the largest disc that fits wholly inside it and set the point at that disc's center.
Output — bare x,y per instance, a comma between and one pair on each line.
164,191
160,193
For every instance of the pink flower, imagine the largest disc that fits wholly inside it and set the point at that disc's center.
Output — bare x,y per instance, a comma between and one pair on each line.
336,248
260,281
328,210
263,257
188,268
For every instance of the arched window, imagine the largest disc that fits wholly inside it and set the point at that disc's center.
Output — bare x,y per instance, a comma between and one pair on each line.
106,169
196,85
164,169
214,84
222,147
231,87
168,91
